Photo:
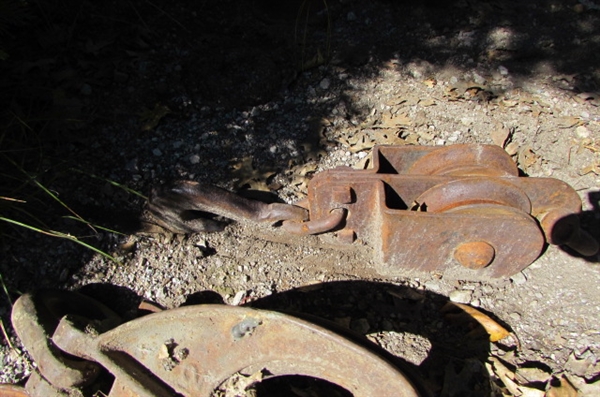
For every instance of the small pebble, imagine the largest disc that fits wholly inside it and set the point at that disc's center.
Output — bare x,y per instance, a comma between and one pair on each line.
157,152
432,286
519,279
582,132
324,84
503,70
460,296
194,159
238,298
351,16
514,316
478,79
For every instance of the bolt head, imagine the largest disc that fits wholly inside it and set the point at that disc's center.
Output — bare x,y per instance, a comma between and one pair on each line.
475,254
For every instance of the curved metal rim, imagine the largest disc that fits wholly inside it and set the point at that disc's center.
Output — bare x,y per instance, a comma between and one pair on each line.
283,344
472,191
466,159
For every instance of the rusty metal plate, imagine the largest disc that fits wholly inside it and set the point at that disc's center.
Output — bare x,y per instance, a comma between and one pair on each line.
12,391
190,351
35,317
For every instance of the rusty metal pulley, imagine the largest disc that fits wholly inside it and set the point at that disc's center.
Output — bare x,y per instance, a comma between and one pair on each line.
461,210
188,351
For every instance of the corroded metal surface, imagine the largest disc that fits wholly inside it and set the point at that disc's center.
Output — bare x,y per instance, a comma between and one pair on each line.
187,207
12,391
462,210
192,350
459,209
35,319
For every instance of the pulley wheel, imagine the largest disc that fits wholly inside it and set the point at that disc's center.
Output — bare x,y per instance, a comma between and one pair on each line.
466,160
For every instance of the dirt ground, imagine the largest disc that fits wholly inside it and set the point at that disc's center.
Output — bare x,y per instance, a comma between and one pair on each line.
261,96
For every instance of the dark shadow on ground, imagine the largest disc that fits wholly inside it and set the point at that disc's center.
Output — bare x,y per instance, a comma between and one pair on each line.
590,224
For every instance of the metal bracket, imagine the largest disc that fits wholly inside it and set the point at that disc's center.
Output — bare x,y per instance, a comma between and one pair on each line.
438,209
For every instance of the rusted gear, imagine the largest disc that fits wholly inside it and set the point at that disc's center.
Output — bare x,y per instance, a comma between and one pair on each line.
192,350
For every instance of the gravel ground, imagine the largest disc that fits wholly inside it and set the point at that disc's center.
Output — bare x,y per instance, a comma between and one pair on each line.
251,106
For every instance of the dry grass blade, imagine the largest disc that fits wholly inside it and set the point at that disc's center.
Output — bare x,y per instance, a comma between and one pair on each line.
94,225
116,184
54,233
1,322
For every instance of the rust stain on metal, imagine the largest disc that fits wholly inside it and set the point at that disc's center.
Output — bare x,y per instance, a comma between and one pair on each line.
463,193
192,350
475,212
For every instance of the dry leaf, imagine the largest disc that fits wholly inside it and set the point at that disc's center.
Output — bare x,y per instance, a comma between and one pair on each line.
412,139
531,392
365,163
500,136
532,374
388,137
150,118
359,142
248,176
494,330
512,148
395,120
567,121
509,103
506,376
592,168
431,82
527,157
588,97
564,388
426,102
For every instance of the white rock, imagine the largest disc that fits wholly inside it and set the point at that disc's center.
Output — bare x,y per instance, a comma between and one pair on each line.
460,296
238,298
194,159
324,84
582,132
519,278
